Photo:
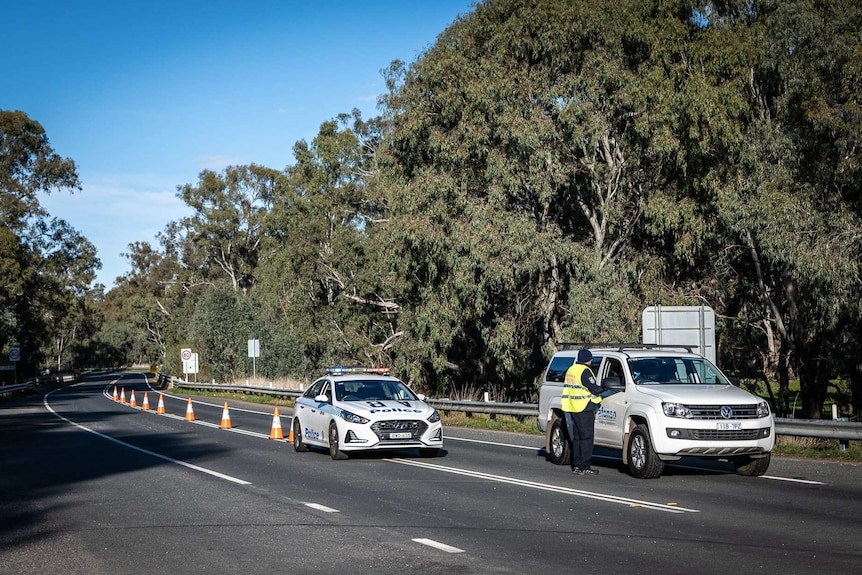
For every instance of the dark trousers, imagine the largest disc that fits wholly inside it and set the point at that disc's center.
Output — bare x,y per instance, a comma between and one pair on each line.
581,428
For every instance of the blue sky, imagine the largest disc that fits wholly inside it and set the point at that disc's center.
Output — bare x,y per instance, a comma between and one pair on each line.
143,95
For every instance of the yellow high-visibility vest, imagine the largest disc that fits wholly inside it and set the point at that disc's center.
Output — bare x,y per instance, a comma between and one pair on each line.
575,396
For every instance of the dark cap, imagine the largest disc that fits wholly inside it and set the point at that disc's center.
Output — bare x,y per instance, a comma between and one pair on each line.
585,356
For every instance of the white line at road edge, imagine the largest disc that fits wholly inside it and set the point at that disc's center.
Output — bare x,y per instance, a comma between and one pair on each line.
140,449
546,487
531,448
438,545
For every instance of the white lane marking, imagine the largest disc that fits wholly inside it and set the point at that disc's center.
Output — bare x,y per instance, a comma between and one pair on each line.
546,487
323,508
675,465
791,479
449,438
438,545
142,450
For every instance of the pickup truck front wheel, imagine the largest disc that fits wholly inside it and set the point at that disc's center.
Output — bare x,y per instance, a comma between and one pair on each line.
751,467
560,451
643,460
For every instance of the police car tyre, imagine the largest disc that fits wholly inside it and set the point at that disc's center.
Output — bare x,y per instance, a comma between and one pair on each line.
298,444
644,462
751,467
560,452
334,450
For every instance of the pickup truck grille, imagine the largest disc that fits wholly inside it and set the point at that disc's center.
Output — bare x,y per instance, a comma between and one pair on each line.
723,435
714,411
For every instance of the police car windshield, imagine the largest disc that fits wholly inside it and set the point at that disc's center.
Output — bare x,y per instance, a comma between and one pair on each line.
373,390
675,370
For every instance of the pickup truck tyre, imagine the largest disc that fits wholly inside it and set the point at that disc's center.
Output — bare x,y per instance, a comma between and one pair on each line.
643,460
560,452
751,467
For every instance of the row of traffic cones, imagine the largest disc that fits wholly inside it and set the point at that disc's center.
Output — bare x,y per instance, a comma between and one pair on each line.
275,433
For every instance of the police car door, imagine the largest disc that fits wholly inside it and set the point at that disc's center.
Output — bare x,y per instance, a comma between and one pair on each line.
317,418
609,418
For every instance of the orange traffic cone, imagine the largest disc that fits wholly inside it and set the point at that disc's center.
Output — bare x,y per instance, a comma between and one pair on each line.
190,413
116,397
160,409
132,401
122,395
290,435
146,405
225,417
276,432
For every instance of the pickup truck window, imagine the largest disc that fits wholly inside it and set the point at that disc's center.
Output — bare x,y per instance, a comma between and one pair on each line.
664,370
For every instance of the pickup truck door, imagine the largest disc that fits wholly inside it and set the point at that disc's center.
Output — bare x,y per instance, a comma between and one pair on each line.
611,414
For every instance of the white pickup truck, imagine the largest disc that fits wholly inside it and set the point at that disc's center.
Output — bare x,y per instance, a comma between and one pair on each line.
666,402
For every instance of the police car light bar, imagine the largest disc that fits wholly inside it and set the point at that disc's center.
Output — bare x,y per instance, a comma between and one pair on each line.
343,369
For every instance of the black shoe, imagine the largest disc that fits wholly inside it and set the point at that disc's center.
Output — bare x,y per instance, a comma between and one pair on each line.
585,471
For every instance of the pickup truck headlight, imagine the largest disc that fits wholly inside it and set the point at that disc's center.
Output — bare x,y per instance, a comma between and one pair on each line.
676,410
762,409
352,417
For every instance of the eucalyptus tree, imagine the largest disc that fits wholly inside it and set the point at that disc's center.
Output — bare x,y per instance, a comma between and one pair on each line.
227,226
775,124
523,147
46,265
322,287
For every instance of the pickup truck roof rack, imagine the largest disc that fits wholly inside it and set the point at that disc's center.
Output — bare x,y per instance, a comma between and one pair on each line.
624,346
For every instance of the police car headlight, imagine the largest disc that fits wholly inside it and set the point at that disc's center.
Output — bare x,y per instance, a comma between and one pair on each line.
351,417
434,417
762,409
675,410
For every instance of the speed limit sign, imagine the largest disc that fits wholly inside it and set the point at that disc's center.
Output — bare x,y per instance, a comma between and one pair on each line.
186,354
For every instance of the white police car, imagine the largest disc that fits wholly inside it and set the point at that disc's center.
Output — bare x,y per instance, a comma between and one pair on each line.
361,409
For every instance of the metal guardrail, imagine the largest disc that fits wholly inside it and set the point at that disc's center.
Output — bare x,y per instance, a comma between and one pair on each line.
820,428
53,378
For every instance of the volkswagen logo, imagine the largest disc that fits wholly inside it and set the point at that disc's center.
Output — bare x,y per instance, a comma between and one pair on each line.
726,412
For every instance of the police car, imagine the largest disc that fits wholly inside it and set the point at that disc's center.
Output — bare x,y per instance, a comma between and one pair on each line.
361,409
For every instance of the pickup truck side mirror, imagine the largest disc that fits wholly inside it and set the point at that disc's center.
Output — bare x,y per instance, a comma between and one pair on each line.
734,381
613,383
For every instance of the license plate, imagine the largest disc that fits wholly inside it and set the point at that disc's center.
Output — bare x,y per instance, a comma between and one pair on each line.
401,435
729,426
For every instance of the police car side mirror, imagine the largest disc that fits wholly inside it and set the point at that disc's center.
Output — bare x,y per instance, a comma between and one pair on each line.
420,396
613,383
322,398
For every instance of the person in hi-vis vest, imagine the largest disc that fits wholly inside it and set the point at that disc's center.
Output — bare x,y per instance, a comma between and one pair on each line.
580,400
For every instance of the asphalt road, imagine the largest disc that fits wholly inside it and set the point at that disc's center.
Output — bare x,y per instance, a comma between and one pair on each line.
91,486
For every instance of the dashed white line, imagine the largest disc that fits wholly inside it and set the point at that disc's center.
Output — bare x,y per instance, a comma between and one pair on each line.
323,508
438,545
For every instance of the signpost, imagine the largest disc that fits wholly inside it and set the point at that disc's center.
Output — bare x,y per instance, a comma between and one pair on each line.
190,362
254,353
14,357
